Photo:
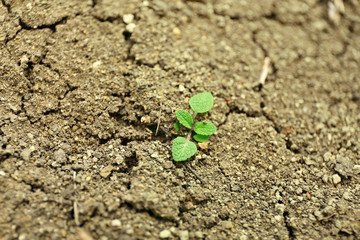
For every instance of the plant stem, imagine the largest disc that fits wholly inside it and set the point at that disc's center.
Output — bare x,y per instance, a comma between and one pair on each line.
188,136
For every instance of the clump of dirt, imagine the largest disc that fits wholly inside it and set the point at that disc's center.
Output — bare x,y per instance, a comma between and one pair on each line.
83,85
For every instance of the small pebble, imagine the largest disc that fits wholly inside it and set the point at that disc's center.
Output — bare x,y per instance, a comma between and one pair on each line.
344,166
128,18
60,156
168,164
327,156
296,181
13,118
203,145
173,229
227,224
106,171
243,237
165,234
96,64
278,218
176,31
181,88
22,237
325,178
336,179
130,27
337,223
184,235
182,67
145,119
347,196
154,155
25,154
356,169
119,160
55,164
116,223
199,234
318,214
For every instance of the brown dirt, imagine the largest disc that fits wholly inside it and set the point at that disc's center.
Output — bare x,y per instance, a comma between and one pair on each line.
82,88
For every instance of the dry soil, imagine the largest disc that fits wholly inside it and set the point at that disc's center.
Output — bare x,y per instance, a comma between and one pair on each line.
84,83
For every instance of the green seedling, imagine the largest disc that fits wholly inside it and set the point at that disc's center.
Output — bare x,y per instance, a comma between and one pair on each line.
183,148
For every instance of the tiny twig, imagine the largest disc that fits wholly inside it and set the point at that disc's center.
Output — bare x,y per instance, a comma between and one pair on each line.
75,205
265,71
193,171
339,4
76,213
335,9
165,131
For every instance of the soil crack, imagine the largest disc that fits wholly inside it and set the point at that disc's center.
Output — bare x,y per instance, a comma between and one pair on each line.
25,26
289,228
7,6
52,26
151,213
94,3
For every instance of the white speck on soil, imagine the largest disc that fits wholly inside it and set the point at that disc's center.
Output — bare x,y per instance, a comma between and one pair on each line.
165,234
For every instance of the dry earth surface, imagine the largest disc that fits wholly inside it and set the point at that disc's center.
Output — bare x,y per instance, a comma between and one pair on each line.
83,84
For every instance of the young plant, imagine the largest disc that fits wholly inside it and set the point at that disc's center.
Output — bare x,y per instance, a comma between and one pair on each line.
183,148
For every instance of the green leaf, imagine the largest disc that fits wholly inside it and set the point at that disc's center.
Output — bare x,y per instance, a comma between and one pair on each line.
177,126
184,118
204,128
201,102
183,149
201,138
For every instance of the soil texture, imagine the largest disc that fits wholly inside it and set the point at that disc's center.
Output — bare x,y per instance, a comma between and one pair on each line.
83,85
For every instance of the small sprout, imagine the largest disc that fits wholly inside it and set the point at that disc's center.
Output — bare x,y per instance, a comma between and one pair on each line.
183,148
